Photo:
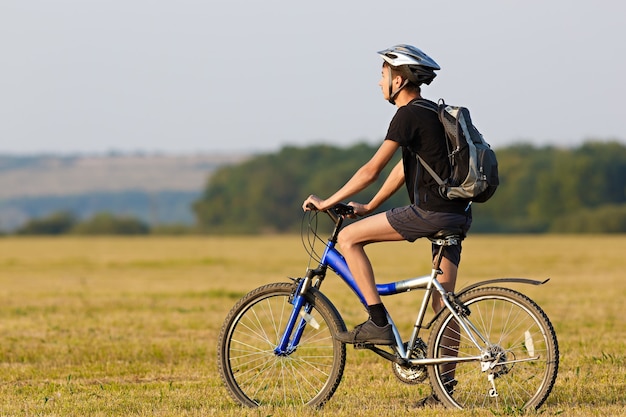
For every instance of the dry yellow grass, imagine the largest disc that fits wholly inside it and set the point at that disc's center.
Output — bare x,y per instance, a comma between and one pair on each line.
128,326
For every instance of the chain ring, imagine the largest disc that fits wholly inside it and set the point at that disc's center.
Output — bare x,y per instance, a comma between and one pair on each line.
412,375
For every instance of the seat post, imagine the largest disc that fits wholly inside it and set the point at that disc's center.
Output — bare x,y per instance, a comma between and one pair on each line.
438,258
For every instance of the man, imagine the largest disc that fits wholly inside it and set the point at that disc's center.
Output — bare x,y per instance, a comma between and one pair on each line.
417,130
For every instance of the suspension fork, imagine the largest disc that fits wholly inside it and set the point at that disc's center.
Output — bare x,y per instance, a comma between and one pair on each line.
300,313
330,258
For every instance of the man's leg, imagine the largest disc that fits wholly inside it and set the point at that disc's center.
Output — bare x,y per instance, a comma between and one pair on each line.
447,280
352,239
451,334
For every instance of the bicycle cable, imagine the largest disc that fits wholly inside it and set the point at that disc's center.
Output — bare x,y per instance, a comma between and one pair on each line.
310,221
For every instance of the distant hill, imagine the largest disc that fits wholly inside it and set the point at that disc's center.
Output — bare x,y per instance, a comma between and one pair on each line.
156,188
70,175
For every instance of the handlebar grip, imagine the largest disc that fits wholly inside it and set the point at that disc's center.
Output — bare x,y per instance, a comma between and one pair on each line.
336,212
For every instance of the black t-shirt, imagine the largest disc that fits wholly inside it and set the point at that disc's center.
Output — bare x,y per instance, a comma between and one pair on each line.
418,131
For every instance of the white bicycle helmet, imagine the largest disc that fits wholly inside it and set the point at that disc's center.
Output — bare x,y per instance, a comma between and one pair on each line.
416,67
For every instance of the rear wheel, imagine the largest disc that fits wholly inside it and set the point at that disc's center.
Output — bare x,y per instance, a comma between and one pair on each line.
255,375
521,345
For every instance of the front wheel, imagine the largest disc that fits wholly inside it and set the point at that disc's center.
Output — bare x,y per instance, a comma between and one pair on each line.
255,374
520,347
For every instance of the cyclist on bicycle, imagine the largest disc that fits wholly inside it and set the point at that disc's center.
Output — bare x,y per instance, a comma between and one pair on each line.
417,130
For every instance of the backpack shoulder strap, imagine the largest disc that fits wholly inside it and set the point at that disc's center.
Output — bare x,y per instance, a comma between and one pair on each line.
434,107
425,104
430,171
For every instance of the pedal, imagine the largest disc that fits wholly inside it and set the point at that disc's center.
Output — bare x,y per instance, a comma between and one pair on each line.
363,345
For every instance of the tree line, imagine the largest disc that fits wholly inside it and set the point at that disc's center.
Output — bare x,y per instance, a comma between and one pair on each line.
542,189
65,222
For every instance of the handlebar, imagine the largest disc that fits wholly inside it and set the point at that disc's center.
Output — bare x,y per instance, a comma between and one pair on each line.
337,212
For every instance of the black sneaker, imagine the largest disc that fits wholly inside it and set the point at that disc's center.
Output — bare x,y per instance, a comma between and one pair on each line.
368,333
432,400
449,384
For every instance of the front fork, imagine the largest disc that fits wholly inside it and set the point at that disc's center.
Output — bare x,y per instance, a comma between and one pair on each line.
298,319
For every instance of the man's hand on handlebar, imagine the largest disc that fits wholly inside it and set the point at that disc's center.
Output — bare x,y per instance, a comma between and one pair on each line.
313,202
359,209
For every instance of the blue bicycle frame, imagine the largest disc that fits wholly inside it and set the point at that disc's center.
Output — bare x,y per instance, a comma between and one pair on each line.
333,259
300,315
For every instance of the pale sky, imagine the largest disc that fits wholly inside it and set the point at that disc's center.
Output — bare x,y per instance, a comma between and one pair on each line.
89,76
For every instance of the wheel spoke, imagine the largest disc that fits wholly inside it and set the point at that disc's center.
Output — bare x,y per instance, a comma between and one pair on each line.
521,343
255,374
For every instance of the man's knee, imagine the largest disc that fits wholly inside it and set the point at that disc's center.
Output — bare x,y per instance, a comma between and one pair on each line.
347,238
344,239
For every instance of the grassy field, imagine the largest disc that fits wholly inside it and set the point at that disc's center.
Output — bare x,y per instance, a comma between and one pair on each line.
128,326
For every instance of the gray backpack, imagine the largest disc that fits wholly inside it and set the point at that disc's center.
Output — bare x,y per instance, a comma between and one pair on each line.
474,167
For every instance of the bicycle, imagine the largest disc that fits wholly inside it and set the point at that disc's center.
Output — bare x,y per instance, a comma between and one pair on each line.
489,346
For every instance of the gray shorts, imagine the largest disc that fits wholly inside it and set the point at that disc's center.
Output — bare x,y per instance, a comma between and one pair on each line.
413,223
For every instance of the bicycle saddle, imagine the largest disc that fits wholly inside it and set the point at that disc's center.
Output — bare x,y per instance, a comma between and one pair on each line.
446,236
442,234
